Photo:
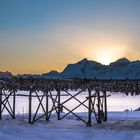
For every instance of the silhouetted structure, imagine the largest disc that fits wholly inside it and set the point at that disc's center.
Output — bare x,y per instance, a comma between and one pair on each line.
43,89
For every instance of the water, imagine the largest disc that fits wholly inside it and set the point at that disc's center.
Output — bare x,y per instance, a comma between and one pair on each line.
116,102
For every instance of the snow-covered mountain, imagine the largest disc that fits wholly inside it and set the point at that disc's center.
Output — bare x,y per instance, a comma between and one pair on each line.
6,74
52,74
82,69
120,62
120,69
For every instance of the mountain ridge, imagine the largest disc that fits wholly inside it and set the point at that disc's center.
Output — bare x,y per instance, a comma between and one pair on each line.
120,69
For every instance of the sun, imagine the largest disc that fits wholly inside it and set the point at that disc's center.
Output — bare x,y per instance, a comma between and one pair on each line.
108,55
105,57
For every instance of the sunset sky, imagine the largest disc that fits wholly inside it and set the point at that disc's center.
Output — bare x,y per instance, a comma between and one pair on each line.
37,36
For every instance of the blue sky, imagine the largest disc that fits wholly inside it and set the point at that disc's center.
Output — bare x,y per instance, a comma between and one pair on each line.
49,34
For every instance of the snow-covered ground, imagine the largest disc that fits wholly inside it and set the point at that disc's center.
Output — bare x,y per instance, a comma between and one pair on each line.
117,128
121,125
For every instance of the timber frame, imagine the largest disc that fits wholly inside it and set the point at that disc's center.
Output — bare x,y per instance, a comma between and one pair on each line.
43,89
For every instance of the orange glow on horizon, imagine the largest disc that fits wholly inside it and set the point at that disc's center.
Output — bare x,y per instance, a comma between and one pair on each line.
63,47
106,55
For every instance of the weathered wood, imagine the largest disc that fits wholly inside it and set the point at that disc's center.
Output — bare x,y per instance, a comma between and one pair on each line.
30,107
47,106
105,106
98,105
0,103
40,104
6,104
58,105
54,101
14,104
77,99
89,108
35,85
71,111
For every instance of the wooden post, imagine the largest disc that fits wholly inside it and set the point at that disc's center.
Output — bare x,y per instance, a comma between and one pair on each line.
105,106
89,108
0,104
14,103
47,106
59,109
98,106
30,107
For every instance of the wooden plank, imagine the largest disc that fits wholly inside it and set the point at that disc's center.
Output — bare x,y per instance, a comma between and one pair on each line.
30,107
0,104
14,104
105,106
89,108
